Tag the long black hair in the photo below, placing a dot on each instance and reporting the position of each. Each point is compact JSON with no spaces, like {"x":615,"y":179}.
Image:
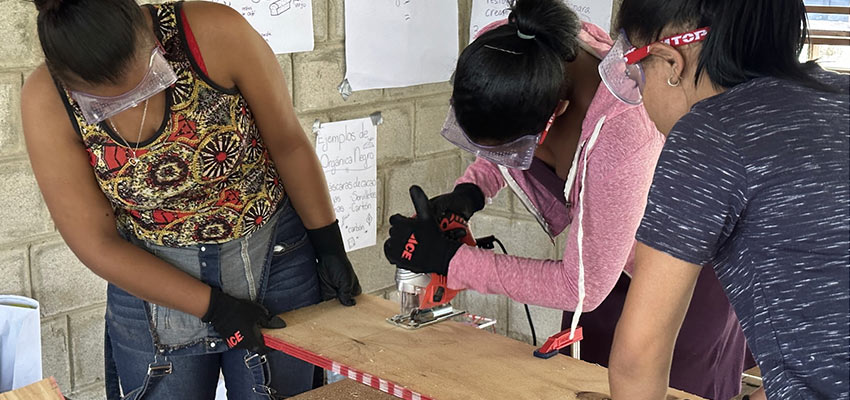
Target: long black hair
{"x":748,"y":38}
{"x":89,"y":40}
{"x":510,"y":80}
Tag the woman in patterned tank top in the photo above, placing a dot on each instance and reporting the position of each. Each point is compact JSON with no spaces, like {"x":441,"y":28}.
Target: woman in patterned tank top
{"x":172,"y":123}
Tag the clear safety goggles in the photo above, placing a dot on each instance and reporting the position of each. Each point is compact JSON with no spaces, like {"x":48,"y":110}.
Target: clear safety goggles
{"x":621,"y":70}
{"x":159,"y":76}
{"x":517,"y":154}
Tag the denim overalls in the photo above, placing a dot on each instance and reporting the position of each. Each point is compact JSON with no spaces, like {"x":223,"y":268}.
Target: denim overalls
{"x":161,"y":353}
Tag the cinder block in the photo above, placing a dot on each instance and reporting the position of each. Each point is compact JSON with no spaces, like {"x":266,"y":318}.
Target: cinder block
{"x":96,"y":391}
{"x":317,"y":75}
{"x":522,"y":238}
{"x":10,"y":114}
{"x":547,"y":322}
{"x":285,"y":61}
{"x":20,"y":46}
{"x":372,"y":267}
{"x":435,"y":176}
{"x":55,"y":351}
{"x":87,"y":346}
{"x":429,"y":89}
{"x":381,"y":213}
{"x":24,"y":213}
{"x":336,"y":19}
{"x":395,"y":134}
{"x":485,"y":305}
{"x":61,"y":282}
{"x":430,"y":117}
{"x":465,"y":14}
{"x":320,"y":20}
{"x":15,"y":280}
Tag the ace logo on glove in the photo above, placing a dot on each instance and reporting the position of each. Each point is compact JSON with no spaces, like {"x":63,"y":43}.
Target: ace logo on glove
{"x":235,"y":339}
{"x":410,"y":247}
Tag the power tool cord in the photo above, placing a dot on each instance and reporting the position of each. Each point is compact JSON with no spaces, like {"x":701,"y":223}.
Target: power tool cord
{"x":488,"y":243}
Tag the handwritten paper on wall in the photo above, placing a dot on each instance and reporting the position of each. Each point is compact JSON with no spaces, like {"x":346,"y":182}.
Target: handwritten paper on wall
{"x":398,"y":43}
{"x":287,"y":25}
{"x":598,"y":12}
{"x":347,"y":151}
{"x":485,"y":12}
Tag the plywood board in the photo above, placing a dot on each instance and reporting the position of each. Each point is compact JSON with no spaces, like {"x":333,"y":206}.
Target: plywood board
{"x":42,"y":390}
{"x":344,"y":389}
{"x":445,"y":361}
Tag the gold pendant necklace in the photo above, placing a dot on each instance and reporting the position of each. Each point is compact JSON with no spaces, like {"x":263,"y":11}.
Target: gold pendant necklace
{"x":135,"y":158}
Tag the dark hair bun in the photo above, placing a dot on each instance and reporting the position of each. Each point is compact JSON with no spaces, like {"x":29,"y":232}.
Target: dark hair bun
{"x":549,"y":21}
{"x":44,"y":6}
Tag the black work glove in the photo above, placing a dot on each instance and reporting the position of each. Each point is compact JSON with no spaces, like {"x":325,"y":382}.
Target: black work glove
{"x":466,"y":199}
{"x":239,"y":321}
{"x":336,"y":275}
{"x":417,"y":244}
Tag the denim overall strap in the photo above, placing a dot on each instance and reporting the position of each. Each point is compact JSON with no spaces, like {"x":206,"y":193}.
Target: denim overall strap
{"x":157,"y":370}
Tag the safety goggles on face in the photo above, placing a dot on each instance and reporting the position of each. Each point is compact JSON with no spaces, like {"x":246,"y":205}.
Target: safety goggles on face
{"x":516,"y":154}
{"x":159,"y":76}
{"x":621,"y":70}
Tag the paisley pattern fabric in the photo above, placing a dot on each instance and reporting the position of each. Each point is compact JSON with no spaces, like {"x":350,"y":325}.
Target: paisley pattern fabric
{"x":205,"y":177}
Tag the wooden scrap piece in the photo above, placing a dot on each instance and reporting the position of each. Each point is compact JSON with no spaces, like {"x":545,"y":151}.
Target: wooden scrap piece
{"x":45,"y":389}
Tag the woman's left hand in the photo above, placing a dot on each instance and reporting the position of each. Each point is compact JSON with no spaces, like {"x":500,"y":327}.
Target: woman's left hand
{"x":337,"y":278}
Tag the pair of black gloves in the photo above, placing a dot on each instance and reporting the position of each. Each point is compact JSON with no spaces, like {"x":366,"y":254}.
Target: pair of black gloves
{"x":239,"y":321}
{"x":417,"y":243}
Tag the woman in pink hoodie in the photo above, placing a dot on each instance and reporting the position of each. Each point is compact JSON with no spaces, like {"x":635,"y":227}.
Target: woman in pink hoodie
{"x":529,"y":102}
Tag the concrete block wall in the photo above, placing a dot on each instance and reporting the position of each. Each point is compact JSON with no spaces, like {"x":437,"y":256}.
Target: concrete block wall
{"x":35,"y":261}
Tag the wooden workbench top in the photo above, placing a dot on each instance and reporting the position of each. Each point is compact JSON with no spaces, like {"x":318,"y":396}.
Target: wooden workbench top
{"x":445,"y":361}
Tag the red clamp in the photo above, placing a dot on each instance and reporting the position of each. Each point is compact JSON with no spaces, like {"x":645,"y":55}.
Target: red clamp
{"x":557,"y":342}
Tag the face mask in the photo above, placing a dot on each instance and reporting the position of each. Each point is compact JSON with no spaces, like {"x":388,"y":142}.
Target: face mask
{"x":517,"y":154}
{"x":159,"y":76}
{"x":621,"y":70}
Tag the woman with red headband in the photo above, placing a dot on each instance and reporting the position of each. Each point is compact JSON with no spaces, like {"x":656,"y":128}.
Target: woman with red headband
{"x":753,"y":181}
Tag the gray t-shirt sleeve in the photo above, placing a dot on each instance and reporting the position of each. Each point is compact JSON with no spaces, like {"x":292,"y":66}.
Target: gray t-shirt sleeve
{"x":698,"y":192}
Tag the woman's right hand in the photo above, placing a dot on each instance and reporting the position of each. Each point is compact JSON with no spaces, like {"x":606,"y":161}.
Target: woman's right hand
{"x":466,"y":199}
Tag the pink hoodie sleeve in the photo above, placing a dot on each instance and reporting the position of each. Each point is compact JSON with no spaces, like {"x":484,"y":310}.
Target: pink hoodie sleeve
{"x":486,"y":175}
{"x":619,"y":173}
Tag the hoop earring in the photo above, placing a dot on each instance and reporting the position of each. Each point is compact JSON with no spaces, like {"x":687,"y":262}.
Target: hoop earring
{"x":671,"y":84}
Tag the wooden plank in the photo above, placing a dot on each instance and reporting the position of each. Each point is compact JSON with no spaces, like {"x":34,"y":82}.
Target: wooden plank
{"x":445,"y":361}
{"x":344,"y":389}
{"x":46,"y":389}
{"x":828,"y":9}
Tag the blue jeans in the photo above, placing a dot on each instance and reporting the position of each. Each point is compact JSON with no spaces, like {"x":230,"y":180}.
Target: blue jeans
{"x":160,"y":353}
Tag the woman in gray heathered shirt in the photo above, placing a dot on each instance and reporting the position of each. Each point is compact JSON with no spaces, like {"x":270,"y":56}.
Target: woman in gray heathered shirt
{"x":752,"y":181}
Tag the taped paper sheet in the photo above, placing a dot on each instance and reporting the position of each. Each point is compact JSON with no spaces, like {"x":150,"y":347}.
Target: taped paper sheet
{"x":485,"y":12}
{"x":597,"y":12}
{"x":399,"y":43}
{"x":347,"y":151}
{"x":287,"y":25}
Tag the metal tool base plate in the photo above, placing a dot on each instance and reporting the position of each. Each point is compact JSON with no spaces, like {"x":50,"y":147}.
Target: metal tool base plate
{"x":406,"y":322}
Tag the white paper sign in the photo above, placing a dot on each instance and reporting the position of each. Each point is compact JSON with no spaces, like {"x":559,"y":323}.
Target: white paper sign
{"x":398,"y":43}
{"x":597,"y":12}
{"x":347,"y":151}
{"x":485,"y":12}
{"x":287,"y":25}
